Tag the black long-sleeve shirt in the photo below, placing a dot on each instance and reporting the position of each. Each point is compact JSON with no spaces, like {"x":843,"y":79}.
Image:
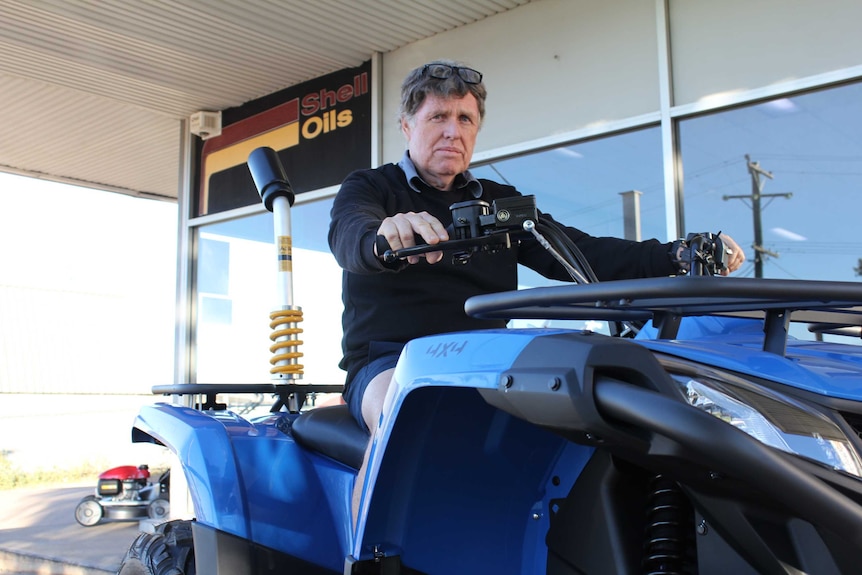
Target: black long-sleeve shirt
{"x":397,"y":303}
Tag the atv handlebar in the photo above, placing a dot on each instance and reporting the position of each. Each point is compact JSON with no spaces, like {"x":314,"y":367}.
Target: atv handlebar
{"x":480,"y":226}
{"x":476,"y":226}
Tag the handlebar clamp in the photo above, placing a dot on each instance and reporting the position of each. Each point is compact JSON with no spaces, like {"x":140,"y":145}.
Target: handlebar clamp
{"x":699,"y":254}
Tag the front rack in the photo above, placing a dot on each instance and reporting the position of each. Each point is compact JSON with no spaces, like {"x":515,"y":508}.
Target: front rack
{"x":667,"y":300}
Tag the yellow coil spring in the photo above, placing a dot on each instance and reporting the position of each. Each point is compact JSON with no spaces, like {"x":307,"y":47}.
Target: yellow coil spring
{"x":279,"y":319}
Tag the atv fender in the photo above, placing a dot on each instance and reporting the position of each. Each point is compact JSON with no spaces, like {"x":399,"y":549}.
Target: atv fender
{"x":254,"y":481}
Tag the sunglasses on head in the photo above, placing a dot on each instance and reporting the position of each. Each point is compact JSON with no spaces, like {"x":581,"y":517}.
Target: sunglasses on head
{"x":444,"y":71}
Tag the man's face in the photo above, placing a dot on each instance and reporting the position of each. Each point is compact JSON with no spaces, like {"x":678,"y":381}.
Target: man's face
{"x":441,"y":136}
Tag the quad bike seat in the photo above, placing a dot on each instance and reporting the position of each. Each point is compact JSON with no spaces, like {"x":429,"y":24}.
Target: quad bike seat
{"x":333,"y":432}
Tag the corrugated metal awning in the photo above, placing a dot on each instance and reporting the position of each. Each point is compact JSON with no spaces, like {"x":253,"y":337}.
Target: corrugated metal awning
{"x":94,"y":92}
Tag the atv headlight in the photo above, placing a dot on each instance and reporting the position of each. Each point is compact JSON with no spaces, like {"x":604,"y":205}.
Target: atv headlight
{"x":773,"y":419}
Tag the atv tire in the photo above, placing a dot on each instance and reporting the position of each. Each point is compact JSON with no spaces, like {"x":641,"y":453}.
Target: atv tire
{"x":168,"y":551}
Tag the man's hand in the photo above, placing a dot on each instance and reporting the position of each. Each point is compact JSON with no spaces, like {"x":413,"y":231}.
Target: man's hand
{"x":735,"y":255}
{"x":401,"y":230}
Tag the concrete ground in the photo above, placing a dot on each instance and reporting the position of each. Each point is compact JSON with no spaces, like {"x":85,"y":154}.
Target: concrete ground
{"x":39,"y":534}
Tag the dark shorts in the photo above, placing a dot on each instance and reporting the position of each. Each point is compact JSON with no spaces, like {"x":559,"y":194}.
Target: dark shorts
{"x":356,"y":389}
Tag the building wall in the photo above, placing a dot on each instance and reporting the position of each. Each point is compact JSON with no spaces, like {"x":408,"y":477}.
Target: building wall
{"x":557,"y":67}
{"x":550,"y":67}
{"x":735,"y":45}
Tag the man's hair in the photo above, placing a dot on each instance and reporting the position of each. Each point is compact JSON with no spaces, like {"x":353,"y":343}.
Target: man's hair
{"x":418,"y":85}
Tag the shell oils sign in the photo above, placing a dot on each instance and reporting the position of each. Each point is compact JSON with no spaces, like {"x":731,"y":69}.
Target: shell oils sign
{"x":321,"y":130}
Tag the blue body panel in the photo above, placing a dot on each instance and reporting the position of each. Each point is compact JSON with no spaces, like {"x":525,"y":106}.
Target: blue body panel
{"x":442,"y":456}
{"x":253,"y":481}
{"x":829,"y":369}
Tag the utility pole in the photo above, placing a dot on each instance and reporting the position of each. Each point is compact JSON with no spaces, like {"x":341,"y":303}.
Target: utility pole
{"x":632,"y":215}
{"x":756,"y":196}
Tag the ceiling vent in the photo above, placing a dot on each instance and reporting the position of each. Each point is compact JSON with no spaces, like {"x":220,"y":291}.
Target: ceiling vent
{"x":205,"y":124}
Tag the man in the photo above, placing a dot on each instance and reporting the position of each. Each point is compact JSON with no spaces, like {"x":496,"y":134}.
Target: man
{"x":387,"y":305}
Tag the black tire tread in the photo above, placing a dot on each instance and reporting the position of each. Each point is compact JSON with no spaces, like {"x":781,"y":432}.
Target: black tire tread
{"x":167,"y":551}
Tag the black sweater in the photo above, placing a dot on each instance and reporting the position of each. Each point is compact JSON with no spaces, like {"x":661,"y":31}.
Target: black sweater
{"x":398,"y":303}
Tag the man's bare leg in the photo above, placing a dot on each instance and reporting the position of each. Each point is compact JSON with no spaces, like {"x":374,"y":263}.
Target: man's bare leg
{"x":372,"y":407}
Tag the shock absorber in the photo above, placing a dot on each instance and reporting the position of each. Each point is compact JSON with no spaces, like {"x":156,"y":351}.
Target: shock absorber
{"x":283,"y":324}
{"x":277,"y":196}
{"x":669,"y":544}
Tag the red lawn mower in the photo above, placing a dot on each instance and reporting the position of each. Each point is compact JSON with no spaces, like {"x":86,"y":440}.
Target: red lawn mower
{"x":126,"y":493}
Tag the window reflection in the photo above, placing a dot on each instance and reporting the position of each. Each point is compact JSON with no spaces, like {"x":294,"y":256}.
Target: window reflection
{"x":809,"y":208}
{"x":236,"y":279}
{"x":582,"y":185}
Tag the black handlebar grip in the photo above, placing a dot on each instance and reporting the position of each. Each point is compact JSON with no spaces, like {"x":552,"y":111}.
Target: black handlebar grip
{"x":269,"y":176}
{"x":383,"y":249}
{"x":388,"y":255}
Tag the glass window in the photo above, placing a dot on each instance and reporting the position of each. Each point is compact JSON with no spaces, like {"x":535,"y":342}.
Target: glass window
{"x":584,"y":185}
{"x":805,"y":158}
{"x":236,"y":278}
{"x":581,"y":185}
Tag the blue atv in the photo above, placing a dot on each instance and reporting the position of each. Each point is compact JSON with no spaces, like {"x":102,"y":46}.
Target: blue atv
{"x":696,"y":437}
